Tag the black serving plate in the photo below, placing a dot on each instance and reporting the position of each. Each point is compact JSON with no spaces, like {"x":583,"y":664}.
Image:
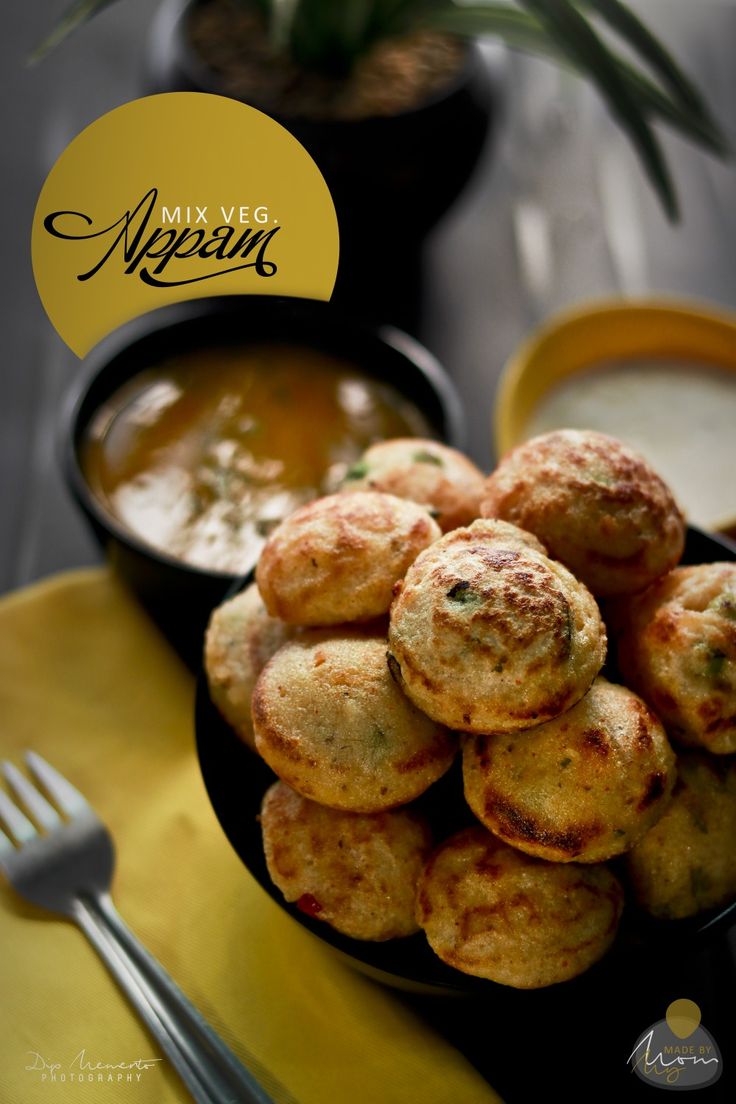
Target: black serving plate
{"x":236,"y":780}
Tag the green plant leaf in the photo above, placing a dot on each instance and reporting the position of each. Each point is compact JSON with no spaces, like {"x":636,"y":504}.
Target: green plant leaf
{"x":397,"y":17}
{"x":279,"y":16}
{"x":80,"y":12}
{"x":630,"y":28}
{"x":329,"y":35}
{"x":704,"y":132}
{"x":575,"y":37}
{"x":517,"y":29}
{"x":522,"y":31}
{"x":265,"y":7}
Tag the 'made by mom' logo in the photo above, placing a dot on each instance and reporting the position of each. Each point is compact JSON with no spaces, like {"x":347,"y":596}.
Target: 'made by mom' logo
{"x":149,"y":241}
{"x":677,"y":1052}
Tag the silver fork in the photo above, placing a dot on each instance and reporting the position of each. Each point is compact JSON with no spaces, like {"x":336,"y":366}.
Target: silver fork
{"x":67,"y":867}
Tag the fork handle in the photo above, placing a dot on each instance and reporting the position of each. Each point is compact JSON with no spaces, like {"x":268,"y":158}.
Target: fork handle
{"x":208,"y":1068}
{"x":133,"y":985}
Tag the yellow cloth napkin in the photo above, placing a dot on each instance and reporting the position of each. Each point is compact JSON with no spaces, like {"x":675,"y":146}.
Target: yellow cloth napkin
{"x":86,"y":681}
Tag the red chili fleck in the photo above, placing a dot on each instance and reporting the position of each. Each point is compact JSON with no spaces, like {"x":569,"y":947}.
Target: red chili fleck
{"x":309,"y":904}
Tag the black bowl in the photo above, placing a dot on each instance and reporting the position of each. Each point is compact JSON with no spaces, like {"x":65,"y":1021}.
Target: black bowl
{"x":177,"y":595}
{"x":236,"y":779}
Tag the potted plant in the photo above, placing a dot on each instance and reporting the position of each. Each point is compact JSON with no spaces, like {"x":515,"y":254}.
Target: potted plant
{"x":391,"y":97}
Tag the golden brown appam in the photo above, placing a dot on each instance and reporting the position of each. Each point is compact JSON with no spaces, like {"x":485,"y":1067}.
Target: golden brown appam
{"x":241,"y":637}
{"x":424,"y":471}
{"x":336,"y":559}
{"x":488,"y":634}
{"x":584,"y":786}
{"x":597,"y":505}
{"x":330,"y":720}
{"x":356,"y":871}
{"x":491,"y":911}
{"x":687,"y":862}
{"x":677,"y":649}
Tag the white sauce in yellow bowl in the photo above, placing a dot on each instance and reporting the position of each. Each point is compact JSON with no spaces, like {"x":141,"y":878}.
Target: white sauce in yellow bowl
{"x":680,"y":414}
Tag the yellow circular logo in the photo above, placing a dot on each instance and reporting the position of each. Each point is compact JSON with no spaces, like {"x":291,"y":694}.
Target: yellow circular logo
{"x":175,"y":197}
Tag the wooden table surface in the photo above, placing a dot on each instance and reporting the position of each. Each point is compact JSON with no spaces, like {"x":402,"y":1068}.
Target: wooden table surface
{"x":557,"y":212}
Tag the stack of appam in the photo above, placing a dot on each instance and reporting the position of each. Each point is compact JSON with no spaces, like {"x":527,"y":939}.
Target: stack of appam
{"x":426,"y":612}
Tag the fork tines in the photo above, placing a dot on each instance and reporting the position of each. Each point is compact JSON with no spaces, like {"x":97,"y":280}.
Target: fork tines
{"x":68,"y":799}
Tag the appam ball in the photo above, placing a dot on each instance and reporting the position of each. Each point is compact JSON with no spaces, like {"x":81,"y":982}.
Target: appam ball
{"x":330,"y":720}
{"x":677,"y":649}
{"x":356,"y":871}
{"x":491,"y":911}
{"x":584,"y":786}
{"x":336,"y":559}
{"x":597,"y":505}
{"x":424,"y":471}
{"x":687,"y":862}
{"x":489,"y":635}
{"x":241,"y":637}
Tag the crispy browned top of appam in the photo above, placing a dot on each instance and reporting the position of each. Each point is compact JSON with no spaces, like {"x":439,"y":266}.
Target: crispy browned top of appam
{"x":677,"y":648}
{"x":331,"y":721}
{"x":490,"y":635}
{"x":584,"y":786}
{"x":356,"y":871}
{"x":687,"y":862}
{"x":597,"y":505}
{"x":336,"y":559}
{"x":489,"y":910}
{"x":241,"y":637}
{"x":424,"y":471}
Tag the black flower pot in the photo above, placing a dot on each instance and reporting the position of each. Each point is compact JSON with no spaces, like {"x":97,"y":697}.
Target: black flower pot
{"x":391,"y":177}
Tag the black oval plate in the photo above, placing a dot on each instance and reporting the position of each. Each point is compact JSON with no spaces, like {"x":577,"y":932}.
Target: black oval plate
{"x":236,"y":780}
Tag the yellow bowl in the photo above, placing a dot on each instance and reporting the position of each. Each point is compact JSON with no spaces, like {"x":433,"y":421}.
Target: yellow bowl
{"x":611,"y":329}
{"x":606,"y":330}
